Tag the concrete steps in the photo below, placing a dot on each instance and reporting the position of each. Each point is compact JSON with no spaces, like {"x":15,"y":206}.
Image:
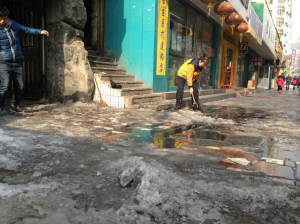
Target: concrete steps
{"x":132,"y":93}
{"x":169,"y":100}
{"x":136,"y":95}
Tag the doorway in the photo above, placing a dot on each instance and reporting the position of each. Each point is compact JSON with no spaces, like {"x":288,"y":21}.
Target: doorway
{"x":94,"y":27}
{"x":88,"y":26}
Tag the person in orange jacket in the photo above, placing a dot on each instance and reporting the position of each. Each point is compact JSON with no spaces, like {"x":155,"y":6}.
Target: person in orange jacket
{"x":188,"y":72}
{"x":280,"y":83}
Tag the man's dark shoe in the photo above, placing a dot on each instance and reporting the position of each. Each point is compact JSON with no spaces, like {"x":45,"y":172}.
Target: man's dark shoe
{"x":198,"y":109}
{"x":177,"y":106}
{"x":15,"y":109}
{"x":1,"y":112}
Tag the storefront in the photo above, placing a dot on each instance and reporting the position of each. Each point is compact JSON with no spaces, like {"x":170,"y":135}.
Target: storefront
{"x":151,"y":39}
{"x":228,"y":63}
{"x":191,"y":34}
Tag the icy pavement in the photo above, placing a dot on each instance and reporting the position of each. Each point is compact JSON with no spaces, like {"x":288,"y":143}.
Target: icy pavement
{"x":81,"y":163}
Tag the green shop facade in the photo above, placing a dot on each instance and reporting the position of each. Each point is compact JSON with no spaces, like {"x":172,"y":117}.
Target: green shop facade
{"x":152,"y":38}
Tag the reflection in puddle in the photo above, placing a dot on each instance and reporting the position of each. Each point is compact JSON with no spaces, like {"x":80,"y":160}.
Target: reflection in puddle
{"x":237,"y":114}
{"x":173,"y":137}
{"x":281,"y":148}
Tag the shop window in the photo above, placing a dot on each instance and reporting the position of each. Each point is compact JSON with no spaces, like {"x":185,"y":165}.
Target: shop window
{"x":190,"y":36}
{"x":207,"y":48}
{"x":178,"y":31}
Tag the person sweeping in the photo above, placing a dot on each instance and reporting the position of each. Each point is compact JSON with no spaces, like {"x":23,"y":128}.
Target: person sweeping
{"x":188,"y":72}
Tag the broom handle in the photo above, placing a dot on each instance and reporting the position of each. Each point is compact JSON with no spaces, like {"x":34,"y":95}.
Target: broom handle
{"x":193,"y":97}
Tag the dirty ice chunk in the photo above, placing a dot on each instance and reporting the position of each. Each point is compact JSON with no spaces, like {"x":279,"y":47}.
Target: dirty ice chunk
{"x":127,"y":175}
{"x":57,"y":217}
{"x":241,"y":161}
{"x":275,"y":161}
{"x":195,"y":213}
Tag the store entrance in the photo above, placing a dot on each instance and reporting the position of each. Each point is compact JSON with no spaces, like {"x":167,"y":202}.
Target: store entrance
{"x":190,"y":36}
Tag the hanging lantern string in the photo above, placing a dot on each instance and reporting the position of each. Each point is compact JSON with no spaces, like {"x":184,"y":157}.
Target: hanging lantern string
{"x":209,"y":6}
{"x":241,"y":37}
{"x":232,"y":27}
{"x":222,"y":19}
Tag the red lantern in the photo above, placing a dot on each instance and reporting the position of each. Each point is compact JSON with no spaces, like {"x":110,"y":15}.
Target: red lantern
{"x":223,"y":9}
{"x":233,"y":19}
{"x":209,"y":6}
{"x":241,"y":28}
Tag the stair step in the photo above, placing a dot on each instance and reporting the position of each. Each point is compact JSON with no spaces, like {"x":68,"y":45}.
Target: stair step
{"x":103,"y":64}
{"x":136,"y":91}
{"x":169,"y":104}
{"x":131,"y":84}
{"x":117,"y":78}
{"x":109,"y":70}
{"x":98,"y":58}
{"x":132,"y":101}
{"x":172,"y":94}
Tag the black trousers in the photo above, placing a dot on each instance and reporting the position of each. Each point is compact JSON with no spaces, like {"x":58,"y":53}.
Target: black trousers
{"x":179,"y":94}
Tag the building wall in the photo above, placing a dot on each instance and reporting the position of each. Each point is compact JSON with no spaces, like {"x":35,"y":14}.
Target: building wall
{"x":130,"y":36}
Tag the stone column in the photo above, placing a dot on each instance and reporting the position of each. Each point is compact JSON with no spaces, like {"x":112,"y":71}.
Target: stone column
{"x":69,"y":75}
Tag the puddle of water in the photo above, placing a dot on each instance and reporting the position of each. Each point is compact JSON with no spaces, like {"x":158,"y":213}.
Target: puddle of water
{"x":282,"y":148}
{"x":237,"y":114}
{"x":172,"y":137}
{"x":203,"y":134}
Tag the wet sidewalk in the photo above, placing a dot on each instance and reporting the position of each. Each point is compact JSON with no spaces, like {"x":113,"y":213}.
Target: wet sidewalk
{"x":81,"y":163}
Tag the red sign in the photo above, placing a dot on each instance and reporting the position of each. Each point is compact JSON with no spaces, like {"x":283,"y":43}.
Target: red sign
{"x":206,"y":36}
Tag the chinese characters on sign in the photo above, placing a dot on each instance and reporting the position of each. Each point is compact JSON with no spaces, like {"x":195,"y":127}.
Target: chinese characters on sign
{"x":293,"y":58}
{"x":162,"y":28}
{"x":255,"y":61}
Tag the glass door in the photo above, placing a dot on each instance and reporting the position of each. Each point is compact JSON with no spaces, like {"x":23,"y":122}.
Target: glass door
{"x":190,"y":37}
{"x":178,"y":22}
{"x":206,"y":46}
{"x":191,"y":49}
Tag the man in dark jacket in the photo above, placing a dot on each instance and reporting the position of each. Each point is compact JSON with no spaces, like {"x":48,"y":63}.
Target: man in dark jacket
{"x":11,"y":58}
{"x":288,"y":81}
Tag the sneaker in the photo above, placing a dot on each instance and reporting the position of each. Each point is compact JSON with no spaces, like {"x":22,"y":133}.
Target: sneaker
{"x":15,"y":109}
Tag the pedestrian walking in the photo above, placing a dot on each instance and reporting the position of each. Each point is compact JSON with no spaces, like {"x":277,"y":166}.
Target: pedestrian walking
{"x":283,"y":76}
{"x":11,"y":65}
{"x":288,"y":81}
{"x":280,"y":83}
{"x":188,"y":72}
{"x":294,"y":82}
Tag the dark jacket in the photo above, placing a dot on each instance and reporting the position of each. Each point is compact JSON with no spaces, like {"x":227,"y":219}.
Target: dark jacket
{"x":10,"y":49}
{"x":288,"y":79}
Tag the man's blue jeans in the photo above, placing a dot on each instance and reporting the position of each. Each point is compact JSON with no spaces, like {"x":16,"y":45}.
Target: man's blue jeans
{"x":14,"y":70}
